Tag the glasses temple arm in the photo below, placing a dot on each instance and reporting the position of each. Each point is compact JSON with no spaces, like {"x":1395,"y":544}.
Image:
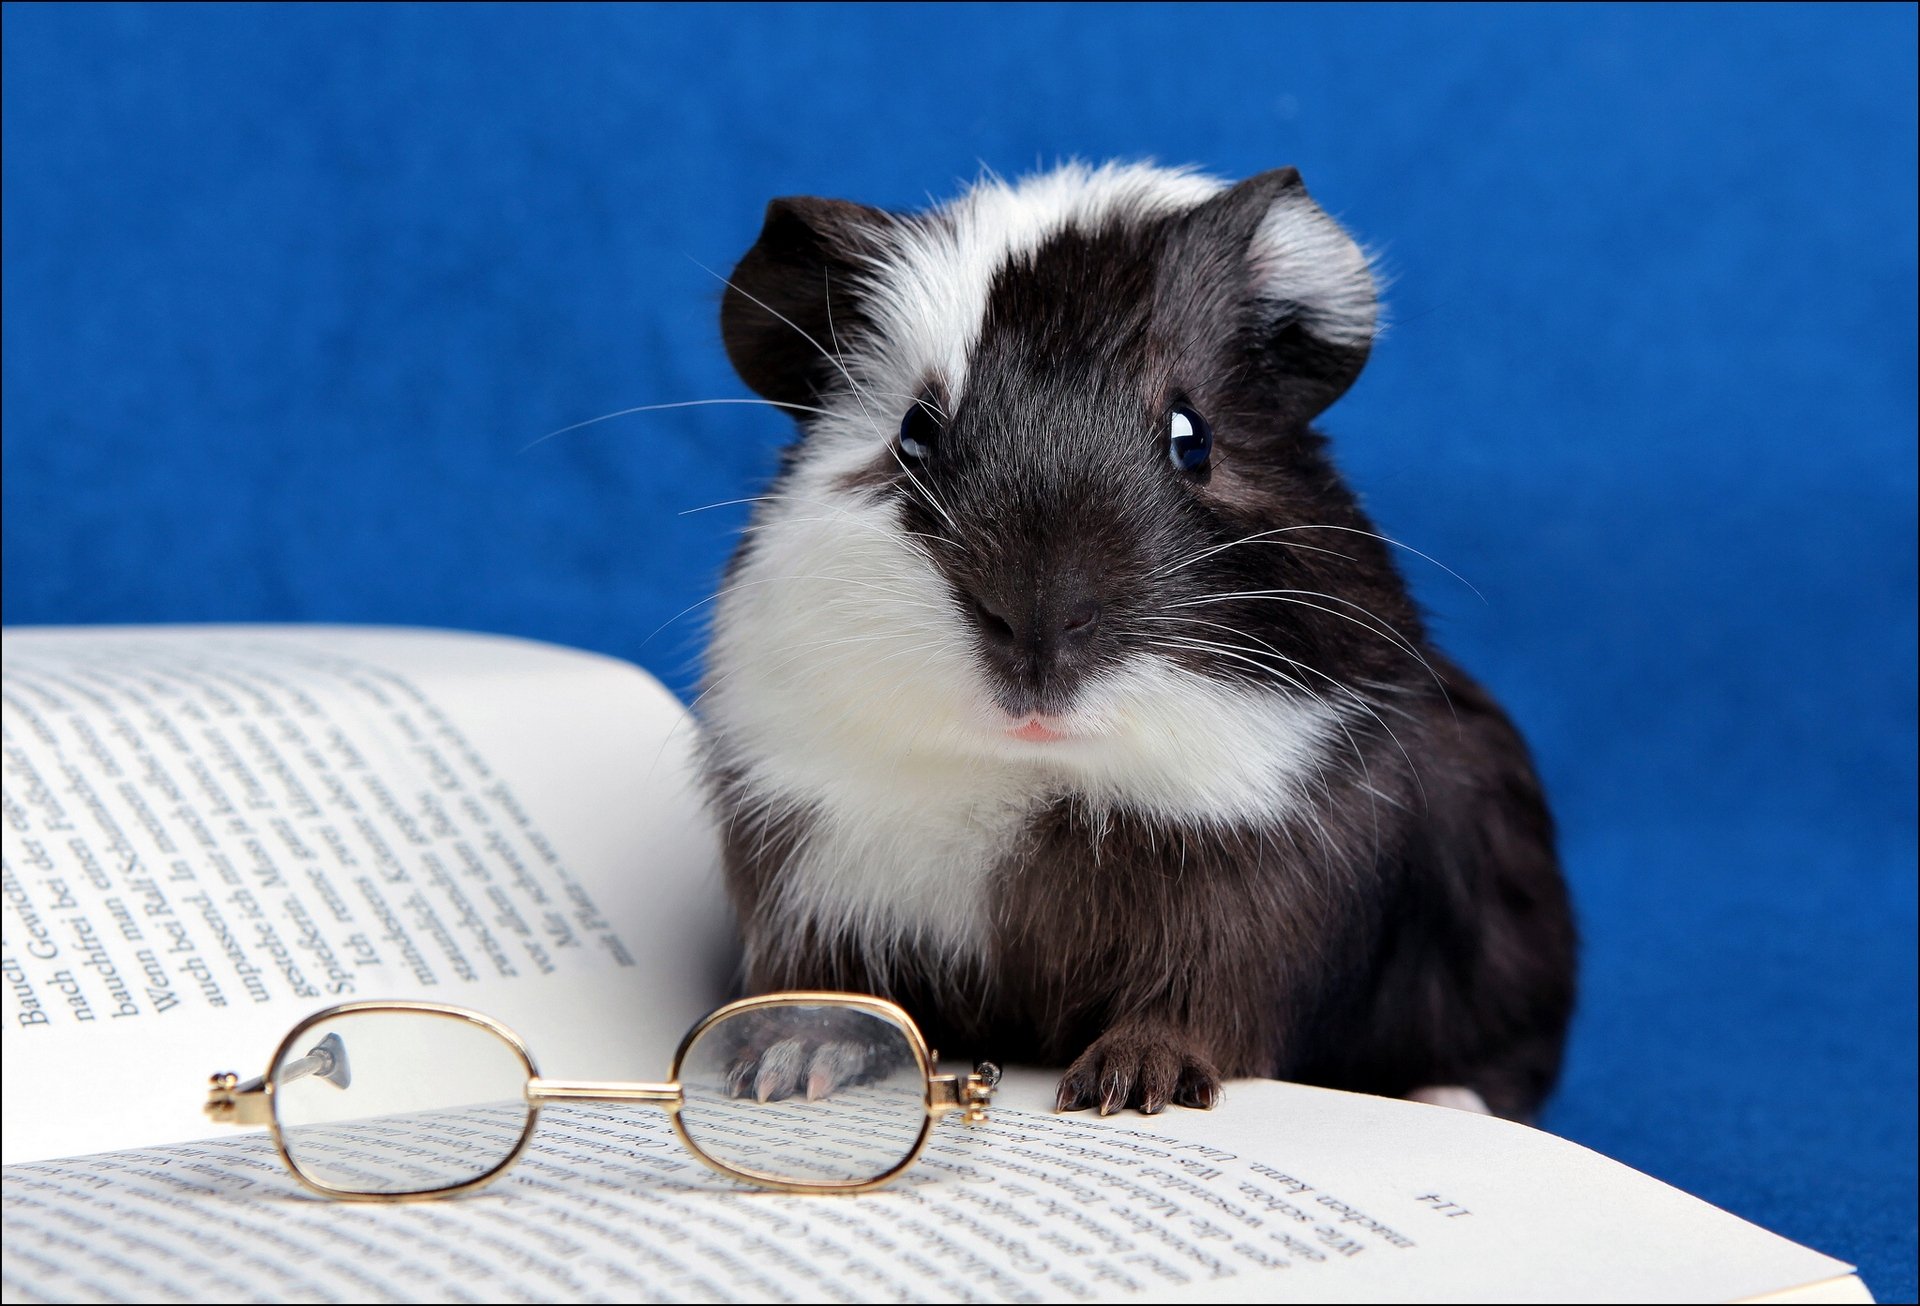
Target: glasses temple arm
{"x":233,"y":1103}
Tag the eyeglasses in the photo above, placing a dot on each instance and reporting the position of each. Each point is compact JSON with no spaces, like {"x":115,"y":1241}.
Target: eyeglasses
{"x":802,"y":1092}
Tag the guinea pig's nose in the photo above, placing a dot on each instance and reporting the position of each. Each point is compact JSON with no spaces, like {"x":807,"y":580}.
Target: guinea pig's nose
{"x":1036,"y":634}
{"x":1048,"y":624}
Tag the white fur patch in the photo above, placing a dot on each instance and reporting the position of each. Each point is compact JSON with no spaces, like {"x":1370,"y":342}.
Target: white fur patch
{"x":1303,"y":257}
{"x":843,"y":679}
{"x":929,"y":295}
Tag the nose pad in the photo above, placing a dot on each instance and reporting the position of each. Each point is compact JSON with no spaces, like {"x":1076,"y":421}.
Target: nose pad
{"x":1036,"y":640}
{"x":1042,"y":626}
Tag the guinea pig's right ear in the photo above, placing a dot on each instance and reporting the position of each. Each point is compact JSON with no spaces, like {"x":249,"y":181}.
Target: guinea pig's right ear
{"x":797,"y":290}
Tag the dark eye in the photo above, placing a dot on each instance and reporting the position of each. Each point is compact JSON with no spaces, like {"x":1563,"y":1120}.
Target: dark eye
{"x":919,"y":431}
{"x":1189,"y":439}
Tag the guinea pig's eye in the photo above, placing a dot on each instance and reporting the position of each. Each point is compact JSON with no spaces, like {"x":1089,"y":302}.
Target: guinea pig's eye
{"x":1189,"y":439}
{"x":919,"y":431}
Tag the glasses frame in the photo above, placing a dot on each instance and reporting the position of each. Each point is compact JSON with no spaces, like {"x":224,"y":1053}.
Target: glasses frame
{"x":252,"y":1103}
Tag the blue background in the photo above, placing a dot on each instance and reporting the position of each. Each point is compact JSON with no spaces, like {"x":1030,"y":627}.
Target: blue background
{"x":287,"y":292}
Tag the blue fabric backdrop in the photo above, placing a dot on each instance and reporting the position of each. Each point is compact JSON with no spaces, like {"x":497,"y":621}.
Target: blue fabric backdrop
{"x":288,"y":290}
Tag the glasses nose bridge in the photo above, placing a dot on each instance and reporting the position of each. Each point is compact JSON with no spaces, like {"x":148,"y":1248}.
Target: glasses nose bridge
{"x":544,"y":1092}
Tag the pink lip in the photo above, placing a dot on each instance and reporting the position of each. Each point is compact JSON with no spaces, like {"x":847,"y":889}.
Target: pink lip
{"x":1036,"y":732}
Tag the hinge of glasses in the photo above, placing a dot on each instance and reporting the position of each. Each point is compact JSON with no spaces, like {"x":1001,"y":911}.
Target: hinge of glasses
{"x":231,"y":1102}
{"x":970,"y":1095}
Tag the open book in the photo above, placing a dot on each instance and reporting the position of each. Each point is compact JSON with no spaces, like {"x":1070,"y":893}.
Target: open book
{"x":210,"y":833}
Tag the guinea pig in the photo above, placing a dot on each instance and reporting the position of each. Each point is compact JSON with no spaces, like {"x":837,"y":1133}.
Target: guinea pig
{"x":1061,"y":690}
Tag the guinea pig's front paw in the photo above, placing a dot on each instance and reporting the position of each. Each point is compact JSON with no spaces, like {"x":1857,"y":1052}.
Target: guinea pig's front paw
{"x":810,"y":1068}
{"x":1139,"y":1066}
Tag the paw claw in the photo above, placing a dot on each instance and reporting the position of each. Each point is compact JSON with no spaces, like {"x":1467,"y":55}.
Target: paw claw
{"x":779,"y":1069}
{"x":1199,"y":1088}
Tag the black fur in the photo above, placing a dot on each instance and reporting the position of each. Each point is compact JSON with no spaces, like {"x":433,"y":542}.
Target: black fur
{"x":1412,"y":928}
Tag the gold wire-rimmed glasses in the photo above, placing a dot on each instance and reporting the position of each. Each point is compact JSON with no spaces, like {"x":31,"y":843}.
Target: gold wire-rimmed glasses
{"x":800,"y":1092}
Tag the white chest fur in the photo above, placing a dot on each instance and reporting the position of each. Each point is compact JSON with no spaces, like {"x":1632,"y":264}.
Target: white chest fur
{"x":885,"y":876}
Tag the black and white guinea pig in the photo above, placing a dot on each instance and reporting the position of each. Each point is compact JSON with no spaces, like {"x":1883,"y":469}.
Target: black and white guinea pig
{"x":1060,"y":689}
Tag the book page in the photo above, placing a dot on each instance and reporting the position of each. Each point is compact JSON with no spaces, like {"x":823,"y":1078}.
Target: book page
{"x":1280,"y":1193}
{"x":211,"y":832}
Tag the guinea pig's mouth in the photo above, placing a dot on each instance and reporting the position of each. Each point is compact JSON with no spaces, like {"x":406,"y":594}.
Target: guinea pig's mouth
{"x":1038,"y":729}
{"x":1050,"y":726}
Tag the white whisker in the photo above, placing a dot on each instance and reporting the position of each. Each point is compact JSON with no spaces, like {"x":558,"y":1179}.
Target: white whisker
{"x":839,"y":514}
{"x":1266,"y":537}
{"x":1385,"y":629}
{"x":1259,"y":537}
{"x":685,"y":403}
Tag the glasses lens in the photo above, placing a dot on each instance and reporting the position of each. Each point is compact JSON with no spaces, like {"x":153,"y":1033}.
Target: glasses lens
{"x":395,"y":1102}
{"x":806,"y":1093}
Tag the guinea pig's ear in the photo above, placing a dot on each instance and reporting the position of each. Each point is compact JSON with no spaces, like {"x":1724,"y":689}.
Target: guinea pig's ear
{"x":803,"y":269}
{"x":1309,"y":306}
